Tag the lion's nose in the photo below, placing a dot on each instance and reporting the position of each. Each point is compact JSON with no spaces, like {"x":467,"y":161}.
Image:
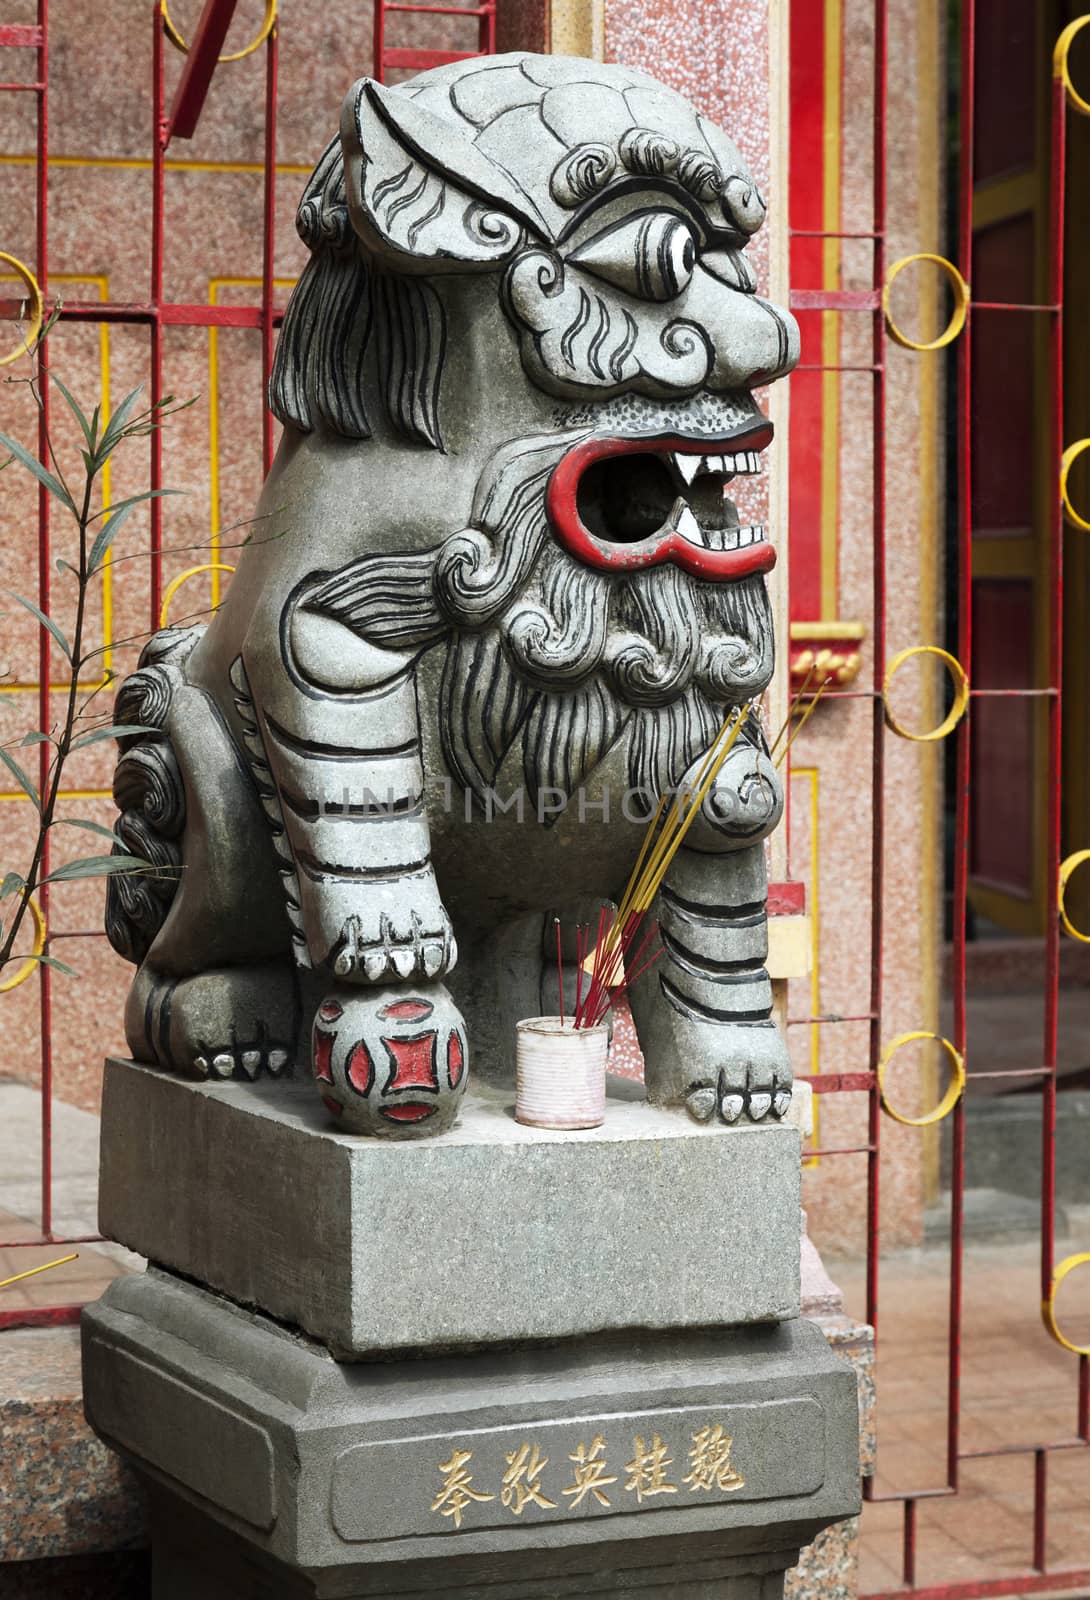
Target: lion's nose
{"x":753,"y":341}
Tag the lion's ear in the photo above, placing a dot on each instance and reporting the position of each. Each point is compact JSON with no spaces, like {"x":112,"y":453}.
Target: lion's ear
{"x":422,"y":197}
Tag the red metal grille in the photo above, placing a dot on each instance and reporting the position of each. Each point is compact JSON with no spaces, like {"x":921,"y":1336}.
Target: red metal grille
{"x":1036,"y":1576}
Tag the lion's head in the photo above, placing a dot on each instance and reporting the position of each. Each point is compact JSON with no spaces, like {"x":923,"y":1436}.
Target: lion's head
{"x":540,"y":262}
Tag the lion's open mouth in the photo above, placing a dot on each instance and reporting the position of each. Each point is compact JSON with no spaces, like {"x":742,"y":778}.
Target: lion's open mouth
{"x":624,"y":503}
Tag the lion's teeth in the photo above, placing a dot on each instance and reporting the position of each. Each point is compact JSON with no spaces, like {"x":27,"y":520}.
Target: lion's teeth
{"x":689,"y":528}
{"x":687,"y":465}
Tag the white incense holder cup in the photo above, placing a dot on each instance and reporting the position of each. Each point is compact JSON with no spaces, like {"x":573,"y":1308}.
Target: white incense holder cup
{"x":561,"y":1074}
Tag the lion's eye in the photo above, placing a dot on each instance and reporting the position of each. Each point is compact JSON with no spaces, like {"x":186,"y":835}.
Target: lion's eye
{"x":651,"y":255}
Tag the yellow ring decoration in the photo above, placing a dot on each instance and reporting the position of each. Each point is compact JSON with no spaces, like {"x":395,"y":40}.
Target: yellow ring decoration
{"x":1060,"y":70}
{"x":961,"y":693}
{"x":949,"y":1099}
{"x":183,"y":577}
{"x":1070,"y":456}
{"x":267,"y":23}
{"x":957,"y":318}
{"x":31,"y":961}
{"x":1048,"y":1307}
{"x":36,"y":308}
{"x":1066,"y":869}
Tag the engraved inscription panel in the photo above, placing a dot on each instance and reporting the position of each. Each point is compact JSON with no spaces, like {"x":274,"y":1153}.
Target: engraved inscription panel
{"x":637,"y":1461}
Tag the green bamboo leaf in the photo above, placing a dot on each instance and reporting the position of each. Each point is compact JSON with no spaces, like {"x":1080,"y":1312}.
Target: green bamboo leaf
{"x":112,"y":526}
{"x":111,"y":435}
{"x":43,"y":475}
{"x":37,"y":737}
{"x":46,"y":622}
{"x":61,"y":966}
{"x":97,"y":867}
{"x":85,"y":426}
{"x":21,"y":779}
{"x":12,"y":883}
{"x":118,"y":730}
{"x":65,"y":566}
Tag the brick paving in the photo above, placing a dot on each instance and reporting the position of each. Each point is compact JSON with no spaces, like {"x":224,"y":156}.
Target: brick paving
{"x":1018,"y":1388}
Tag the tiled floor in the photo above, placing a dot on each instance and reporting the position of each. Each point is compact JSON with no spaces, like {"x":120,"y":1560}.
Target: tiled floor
{"x":75,"y":1283}
{"x":1018,"y":1388}
{"x":75,"y":1204}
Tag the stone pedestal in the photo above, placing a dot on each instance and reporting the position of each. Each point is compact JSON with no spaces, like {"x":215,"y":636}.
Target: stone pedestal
{"x":491,"y":1232}
{"x":649,"y":1464}
{"x":499,"y":1362}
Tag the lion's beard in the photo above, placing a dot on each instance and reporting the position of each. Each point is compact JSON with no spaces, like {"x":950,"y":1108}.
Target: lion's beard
{"x":571,"y":659}
{"x":543,"y":649}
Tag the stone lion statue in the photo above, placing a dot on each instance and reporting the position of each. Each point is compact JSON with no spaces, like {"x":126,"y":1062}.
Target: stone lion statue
{"x":498,"y":601}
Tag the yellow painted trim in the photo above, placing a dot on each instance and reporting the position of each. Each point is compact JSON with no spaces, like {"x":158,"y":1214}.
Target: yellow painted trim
{"x":813,"y":778}
{"x":144,"y":164}
{"x":829,"y":629}
{"x":577,"y":28}
{"x":830,"y":320}
{"x":790,"y":943}
{"x":64,"y":794}
{"x":1002,"y":198}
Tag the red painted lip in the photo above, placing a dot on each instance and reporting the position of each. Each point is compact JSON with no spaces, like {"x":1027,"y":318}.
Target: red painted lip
{"x":666,"y":544}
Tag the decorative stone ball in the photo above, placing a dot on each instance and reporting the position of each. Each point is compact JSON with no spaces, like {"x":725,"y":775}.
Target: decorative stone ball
{"x":390,"y":1062}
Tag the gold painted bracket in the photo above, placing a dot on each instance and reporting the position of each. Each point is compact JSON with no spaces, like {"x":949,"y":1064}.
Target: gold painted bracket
{"x":1048,"y":1307}
{"x":1061,"y":69}
{"x":827,"y":650}
{"x":956,"y":711}
{"x":957,"y":317}
{"x":267,"y":23}
{"x":954,"y":1090}
{"x":34,"y":300}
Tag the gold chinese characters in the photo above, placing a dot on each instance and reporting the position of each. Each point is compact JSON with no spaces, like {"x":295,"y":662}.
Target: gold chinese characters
{"x":650,"y":1472}
{"x":456,"y":1492}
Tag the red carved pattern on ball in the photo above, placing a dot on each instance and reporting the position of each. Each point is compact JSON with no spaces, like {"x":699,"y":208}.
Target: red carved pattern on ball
{"x":410,"y":1111}
{"x":456,"y":1059}
{"x":407,"y":1010}
{"x":412,"y":1063}
{"x":323,"y":1052}
{"x":360,"y":1069}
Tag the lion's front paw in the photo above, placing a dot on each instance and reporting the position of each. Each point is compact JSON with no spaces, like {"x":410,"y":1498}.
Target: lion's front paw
{"x":418,"y":945}
{"x":754,"y":1081}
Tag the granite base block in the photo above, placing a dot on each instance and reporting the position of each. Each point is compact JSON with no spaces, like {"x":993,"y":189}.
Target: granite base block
{"x":62,"y":1493}
{"x":491,"y":1233}
{"x":721,"y":1453}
